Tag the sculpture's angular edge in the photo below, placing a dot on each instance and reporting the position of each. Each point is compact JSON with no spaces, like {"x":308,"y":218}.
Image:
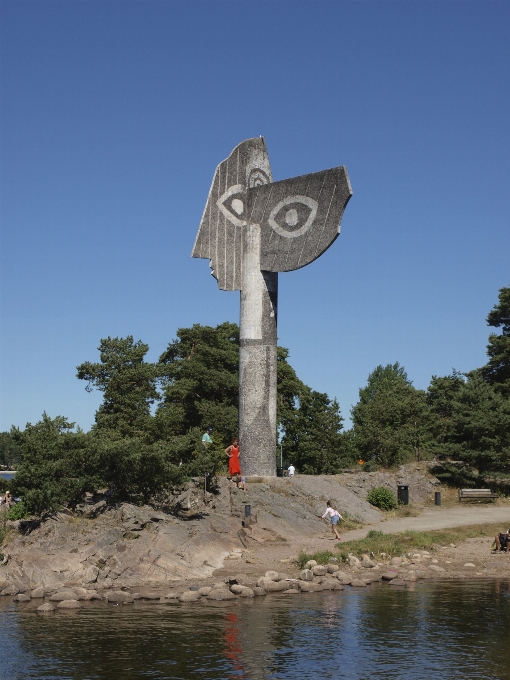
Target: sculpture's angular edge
{"x":220,"y":235}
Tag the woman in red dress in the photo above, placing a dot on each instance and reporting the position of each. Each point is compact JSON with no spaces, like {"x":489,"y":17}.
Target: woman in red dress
{"x":233,"y":454}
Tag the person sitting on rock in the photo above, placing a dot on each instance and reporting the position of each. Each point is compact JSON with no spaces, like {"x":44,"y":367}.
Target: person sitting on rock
{"x":335,"y":517}
{"x":503,"y":541}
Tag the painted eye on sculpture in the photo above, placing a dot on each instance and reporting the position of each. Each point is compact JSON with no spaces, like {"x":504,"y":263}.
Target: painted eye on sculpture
{"x":233,"y":205}
{"x":293,"y":216}
{"x":257,"y":178}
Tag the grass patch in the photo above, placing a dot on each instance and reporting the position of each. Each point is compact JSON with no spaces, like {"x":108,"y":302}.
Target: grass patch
{"x":384,"y":546}
{"x":320,"y":557}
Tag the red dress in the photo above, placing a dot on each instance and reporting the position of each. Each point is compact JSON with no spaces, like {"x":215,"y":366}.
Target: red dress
{"x":233,"y":461}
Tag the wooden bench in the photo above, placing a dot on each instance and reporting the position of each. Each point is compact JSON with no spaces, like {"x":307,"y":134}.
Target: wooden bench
{"x":477,"y":495}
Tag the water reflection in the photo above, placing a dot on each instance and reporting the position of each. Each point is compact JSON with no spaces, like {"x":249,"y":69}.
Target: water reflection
{"x":434,"y":630}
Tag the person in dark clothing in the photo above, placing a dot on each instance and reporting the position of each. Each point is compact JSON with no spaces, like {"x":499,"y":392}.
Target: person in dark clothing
{"x":503,"y":541}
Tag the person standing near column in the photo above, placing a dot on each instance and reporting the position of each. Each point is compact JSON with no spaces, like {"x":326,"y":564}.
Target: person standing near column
{"x":206,"y":438}
{"x":233,"y":454}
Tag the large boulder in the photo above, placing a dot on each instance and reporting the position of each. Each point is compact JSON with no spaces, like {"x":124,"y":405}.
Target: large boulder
{"x":306,"y":575}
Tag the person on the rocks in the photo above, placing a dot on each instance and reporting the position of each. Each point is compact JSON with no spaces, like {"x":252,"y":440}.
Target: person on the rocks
{"x":206,"y":438}
{"x":233,"y":454}
{"x":335,"y":518}
{"x":503,"y":541}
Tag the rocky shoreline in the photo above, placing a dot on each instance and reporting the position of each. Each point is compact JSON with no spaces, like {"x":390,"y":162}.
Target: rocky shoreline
{"x":199,"y":542}
{"x":399,"y":572}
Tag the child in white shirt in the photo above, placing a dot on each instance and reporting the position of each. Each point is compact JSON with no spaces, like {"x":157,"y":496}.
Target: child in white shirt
{"x":335,"y":517}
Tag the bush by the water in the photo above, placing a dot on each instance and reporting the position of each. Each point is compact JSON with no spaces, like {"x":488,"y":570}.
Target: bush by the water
{"x":382,"y":498}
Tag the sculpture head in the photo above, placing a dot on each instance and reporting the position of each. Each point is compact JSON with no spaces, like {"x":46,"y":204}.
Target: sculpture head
{"x":299,"y":218}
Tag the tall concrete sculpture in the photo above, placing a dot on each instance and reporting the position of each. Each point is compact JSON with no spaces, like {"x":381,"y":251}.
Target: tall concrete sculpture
{"x":252,"y":228}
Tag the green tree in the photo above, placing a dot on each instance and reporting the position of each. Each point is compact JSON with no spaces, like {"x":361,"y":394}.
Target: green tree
{"x":313,"y":440}
{"x":10,"y":455}
{"x":200,"y":381}
{"x":56,"y":468}
{"x":129,"y":385}
{"x":497,"y":369}
{"x":390,"y":419}
{"x":473,"y":439}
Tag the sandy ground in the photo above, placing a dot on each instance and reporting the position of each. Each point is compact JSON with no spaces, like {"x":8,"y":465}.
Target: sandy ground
{"x":451,"y":559}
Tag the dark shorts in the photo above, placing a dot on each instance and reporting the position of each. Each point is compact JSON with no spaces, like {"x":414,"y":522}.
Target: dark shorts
{"x":503,"y":539}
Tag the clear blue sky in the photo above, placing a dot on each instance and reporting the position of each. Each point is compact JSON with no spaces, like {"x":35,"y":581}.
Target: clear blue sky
{"x":115,"y":114}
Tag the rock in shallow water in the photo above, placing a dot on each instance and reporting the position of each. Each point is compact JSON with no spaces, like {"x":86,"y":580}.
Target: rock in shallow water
{"x":69,"y":604}
{"x":46,"y":607}
{"x":221,"y":594}
{"x":358,"y":583}
{"x":65,"y":594}
{"x":190,"y":596}
{"x":21,"y":598}
{"x":120,"y":597}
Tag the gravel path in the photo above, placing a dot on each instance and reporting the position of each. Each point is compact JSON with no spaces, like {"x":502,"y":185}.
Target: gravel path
{"x":438,"y":518}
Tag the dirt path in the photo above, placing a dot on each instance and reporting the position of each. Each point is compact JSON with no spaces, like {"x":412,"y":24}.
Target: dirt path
{"x":282,"y":556}
{"x":438,"y":518}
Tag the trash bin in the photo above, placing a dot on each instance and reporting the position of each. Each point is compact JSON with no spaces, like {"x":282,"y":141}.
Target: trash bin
{"x":403,"y":494}
{"x":437,"y":498}
{"x":279,"y":472}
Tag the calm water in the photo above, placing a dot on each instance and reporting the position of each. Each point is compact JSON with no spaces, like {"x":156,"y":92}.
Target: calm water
{"x":7,"y":475}
{"x":432,"y":631}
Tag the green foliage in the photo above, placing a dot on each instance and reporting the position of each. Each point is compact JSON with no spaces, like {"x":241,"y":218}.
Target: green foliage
{"x":394,"y":545}
{"x":56,"y":467}
{"x":497,"y":370}
{"x":18,"y":511}
{"x":10,"y":455}
{"x":321,"y":557}
{"x":200,"y":381}
{"x":382,"y":498}
{"x":129,"y":385}
{"x":390,"y":419}
{"x":471,"y":425}
{"x":134,"y":469}
{"x":313,"y":440}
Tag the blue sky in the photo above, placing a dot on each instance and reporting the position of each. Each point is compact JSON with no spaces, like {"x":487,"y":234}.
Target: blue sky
{"x":114,"y":116}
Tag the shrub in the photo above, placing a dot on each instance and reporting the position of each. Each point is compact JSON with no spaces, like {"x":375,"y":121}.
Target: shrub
{"x":17,"y":511}
{"x":382,"y":498}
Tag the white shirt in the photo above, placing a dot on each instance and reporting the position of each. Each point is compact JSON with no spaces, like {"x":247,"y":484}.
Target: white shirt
{"x":333,"y":513}
{"x":292,"y":470}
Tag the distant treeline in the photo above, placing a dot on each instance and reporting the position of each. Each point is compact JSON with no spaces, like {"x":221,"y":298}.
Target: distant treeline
{"x":462,"y":420}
